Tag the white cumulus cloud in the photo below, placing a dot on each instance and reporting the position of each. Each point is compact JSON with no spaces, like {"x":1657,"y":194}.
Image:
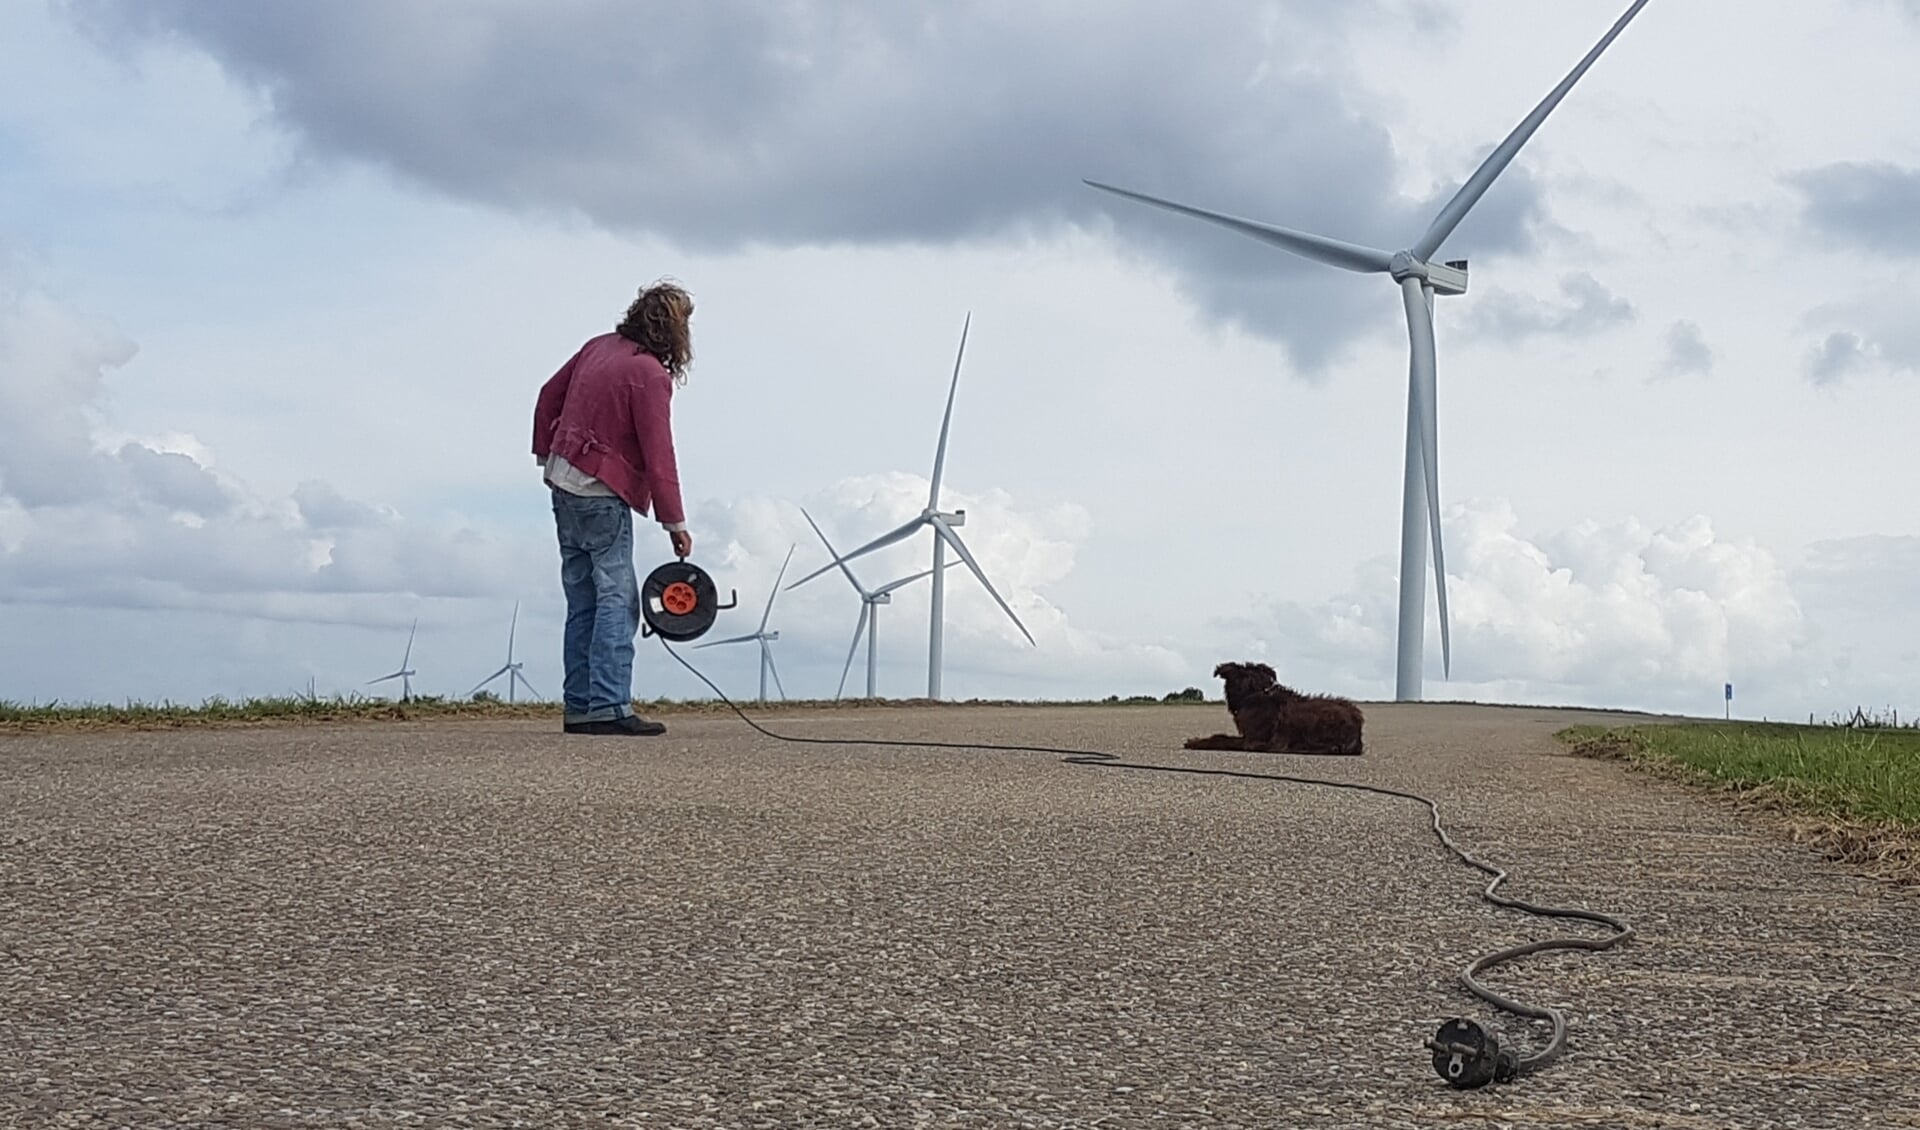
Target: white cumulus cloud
{"x":92,"y":515}
{"x":1619,"y":612}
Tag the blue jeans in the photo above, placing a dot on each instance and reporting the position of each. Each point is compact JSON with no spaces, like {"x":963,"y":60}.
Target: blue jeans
{"x":603,"y":605}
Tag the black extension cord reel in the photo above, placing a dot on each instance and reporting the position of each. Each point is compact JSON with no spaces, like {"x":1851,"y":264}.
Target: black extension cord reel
{"x":679,"y":601}
{"x":1468,"y":1056}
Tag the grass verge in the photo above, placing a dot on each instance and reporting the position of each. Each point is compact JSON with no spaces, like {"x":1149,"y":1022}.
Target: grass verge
{"x":1851,"y":793}
{"x":16,"y":718}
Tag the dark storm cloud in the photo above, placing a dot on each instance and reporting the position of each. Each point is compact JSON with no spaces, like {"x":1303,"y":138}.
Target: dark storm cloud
{"x":1869,"y":206}
{"x":1586,"y":306}
{"x":734,"y":124}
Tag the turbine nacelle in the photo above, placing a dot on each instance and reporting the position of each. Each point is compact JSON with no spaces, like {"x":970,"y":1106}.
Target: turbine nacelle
{"x":951,"y":518}
{"x":1447,"y":278}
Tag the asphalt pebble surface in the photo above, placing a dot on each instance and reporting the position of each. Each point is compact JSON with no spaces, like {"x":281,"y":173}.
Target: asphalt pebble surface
{"x":492,"y":924}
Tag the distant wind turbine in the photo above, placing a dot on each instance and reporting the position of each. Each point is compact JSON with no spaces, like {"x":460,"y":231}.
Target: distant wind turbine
{"x":405,"y":674}
{"x":942,"y":524}
{"x":1419,"y":278}
{"x":870,"y":602}
{"x":512,"y":669}
{"x":764,"y":637}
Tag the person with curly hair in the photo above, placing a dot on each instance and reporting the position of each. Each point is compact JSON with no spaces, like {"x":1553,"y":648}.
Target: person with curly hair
{"x":603,"y":437}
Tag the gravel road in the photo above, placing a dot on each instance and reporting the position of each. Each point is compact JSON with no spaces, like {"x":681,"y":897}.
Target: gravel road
{"x":491,"y":924}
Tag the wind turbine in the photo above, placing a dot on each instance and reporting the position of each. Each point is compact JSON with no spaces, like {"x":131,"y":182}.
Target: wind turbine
{"x":1419,"y":277}
{"x":942,"y":524}
{"x":763,"y":636}
{"x":870,"y":602}
{"x":405,"y":674}
{"x":512,"y":669}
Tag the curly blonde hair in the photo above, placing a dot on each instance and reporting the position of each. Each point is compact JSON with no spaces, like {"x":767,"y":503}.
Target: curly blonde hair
{"x":658,"y":322}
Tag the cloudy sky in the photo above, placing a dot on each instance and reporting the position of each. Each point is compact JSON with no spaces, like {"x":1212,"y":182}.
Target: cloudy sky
{"x":278,"y":284}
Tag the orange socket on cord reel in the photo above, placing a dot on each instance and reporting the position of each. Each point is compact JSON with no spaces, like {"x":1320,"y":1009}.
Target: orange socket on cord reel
{"x":679,"y":598}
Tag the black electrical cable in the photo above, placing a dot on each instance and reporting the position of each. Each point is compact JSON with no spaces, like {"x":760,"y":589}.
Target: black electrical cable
{"x":1468,"y":977}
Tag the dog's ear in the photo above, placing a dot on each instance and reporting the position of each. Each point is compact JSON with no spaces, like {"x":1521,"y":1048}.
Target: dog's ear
{"x":1265,"y":670}
{"x":1221,"y":671}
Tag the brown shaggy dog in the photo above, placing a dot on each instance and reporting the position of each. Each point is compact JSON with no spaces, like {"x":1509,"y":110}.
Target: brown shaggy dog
{"x":1274,"y":718}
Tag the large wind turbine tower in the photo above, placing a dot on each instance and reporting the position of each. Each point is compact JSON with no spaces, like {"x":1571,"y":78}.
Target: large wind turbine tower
{"x":1420,"y":276}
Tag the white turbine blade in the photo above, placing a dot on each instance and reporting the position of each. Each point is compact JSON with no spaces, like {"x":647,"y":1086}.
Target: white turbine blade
{"x":410,"y":632}
{"x":1426,"y":389}
{"x":940,"y":452}
{"x":1333,"y":252}
{"x":523,"y":682}
{"x":735,"y":639}
{"x":511,"y":628}
{"x":776,"y":588}
{"x":385,"y":678}
{"x":835,"y":554}
{"x":1482,"y":179}
{"x":905,"y":581}
{"x":858,"y":628}
{"x":953,"y":539}
{"x":488,"y":679}
{"x":884,"y":540}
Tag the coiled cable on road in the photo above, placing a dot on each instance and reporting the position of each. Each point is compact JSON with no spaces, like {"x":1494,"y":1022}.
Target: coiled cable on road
{"x":1464,"y":1054}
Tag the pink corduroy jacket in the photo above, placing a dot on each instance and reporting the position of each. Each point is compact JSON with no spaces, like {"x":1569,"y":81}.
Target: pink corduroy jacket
{"x":608,"y":411}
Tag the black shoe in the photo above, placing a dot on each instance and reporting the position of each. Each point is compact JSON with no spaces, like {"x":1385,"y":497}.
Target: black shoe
{"x":632,"y":724}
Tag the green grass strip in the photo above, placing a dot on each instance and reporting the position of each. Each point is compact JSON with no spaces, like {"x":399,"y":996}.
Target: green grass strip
{"x":1847,"y":773}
